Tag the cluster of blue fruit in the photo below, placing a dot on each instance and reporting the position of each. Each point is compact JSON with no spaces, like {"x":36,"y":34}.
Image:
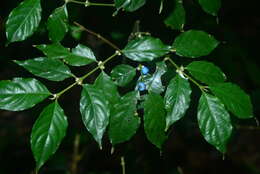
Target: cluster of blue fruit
{"x":141,"y":85}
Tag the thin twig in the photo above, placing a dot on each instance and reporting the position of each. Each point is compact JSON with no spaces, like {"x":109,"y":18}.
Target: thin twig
{"x":123,"y":164}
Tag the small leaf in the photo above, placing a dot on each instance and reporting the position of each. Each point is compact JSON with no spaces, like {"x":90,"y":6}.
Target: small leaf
{"x":206,"y":72}
{"x":154,"y":119}
{"x":123,"y":74}
{"x":129,"y":5}
{"x":153,"y":82}
{"x":123,"y":121}
{"x":51,"y":69}
{"x":21,"y":93}
{"x":47,"y":133}
{"x":176,"y":100}
{"x":58,"y":24}
{"x":234,"y":98}
{"x":194,"y":43}
{"x":214,"y":121}
{"x":145,"y":48}
{"x":176,"y":19}
{"x":211,"y":7}
{"x":23,"y":21}
{"x":94,"y":109}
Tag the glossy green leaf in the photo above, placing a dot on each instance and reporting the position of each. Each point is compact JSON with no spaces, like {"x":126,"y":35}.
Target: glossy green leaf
{"x":94,"y":109}
{"x":145,"y":48}
{"x":57,"y":24}
{"x":153,"y":82}
{"x":23,"y":20}
{"x":129,"y":5}
{"x":123,"y":121}
{"x":80,"y":55}
{"x":234,"y":98}
{"x":206,"y":72}
{"x":51,"y":69}
{"x":104,"y":83}
{"x":154,"y":119}
{"x":123,"y":74}
{"x":194,"y":43}
{"x":176,"y":100}
{"x":214,"y":121}
{"x":176,"y":19}
{"x":21,"y":93}
{"x":212,"y":7}
{"x":48,"y":132}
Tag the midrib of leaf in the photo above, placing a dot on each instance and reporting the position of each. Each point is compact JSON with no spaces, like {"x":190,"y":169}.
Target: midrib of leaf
{"x":32,"y":9}
{"x":140,"y":51}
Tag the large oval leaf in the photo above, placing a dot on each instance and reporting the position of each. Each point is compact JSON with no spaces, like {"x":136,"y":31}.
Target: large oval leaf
{"x":234,"y":98}
{"x":176,"y":100}
{"x":21,"y":93}
{"x":94,"y":109}
{"x":206,"y":72}
{"x":145,"y":48}
{"x":57,"y":24}
{"x":51,"y":69}
{"x":176,"y":19}
{"x":123,"y":74}
{"x":154,"y":119}
{"x":123,"y":121}
{"x":214,"y":121}
{"x":194,"y":43}
{"x":48,"y":132}
{"x":23,"y":20}
{"x":212,"y":7}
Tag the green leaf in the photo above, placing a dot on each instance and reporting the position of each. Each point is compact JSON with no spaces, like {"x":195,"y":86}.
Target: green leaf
{"x":211,"y":7}
{"x":194,"y":43}
{"x":206,"y":72}
{"x":48,"y":132}
{"x":123,"y":121}
{"x":104,"y":83}
{"x":21,"y":93}
{"x":234,"y":98}
{"x":154,"y":119}
{"x":81,"y":55}
{"x":153,"y":82}
{"x":145,"y":48}
{"x":176,"y":100}
{"x":123,"y":74}
{"x":23,"y":20}
{"x":129,"y":5}
{"x":58,"y":24}
{"x":176,"y":19}
{"x":214,"y":121}
{"x":94,"y":109}
{"x":51,"y":69}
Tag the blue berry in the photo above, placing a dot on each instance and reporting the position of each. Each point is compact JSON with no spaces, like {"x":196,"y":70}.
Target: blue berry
{"x":144,"y":70}
{"x":141,"y":86}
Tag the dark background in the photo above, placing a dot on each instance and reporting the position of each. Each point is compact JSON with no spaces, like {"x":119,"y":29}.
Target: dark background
{"x":185,"y":152}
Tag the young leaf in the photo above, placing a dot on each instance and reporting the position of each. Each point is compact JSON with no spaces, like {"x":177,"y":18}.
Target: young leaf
{"x":176,"y":19}
{"x":123,"y":74}
{"x":21,"y":93}
{"x":94,"y":109}
{"x":58,"y":24}
{"x":129,"y":5}
{"x":194,"y":43}
{"x":234,"y":98}
{"x":176,"y":99}
{"x":153,"y":82}
{"x":211,"y":7}
{"x":47,"y":133}
{"x":23,"y":20}
{"x":214,"y":121}
{"x":145,"y":48}
{"x":51,"y":69}
{"x":154,"y":119}
{"x":206,"y":72}
{"x":123,"y":121}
